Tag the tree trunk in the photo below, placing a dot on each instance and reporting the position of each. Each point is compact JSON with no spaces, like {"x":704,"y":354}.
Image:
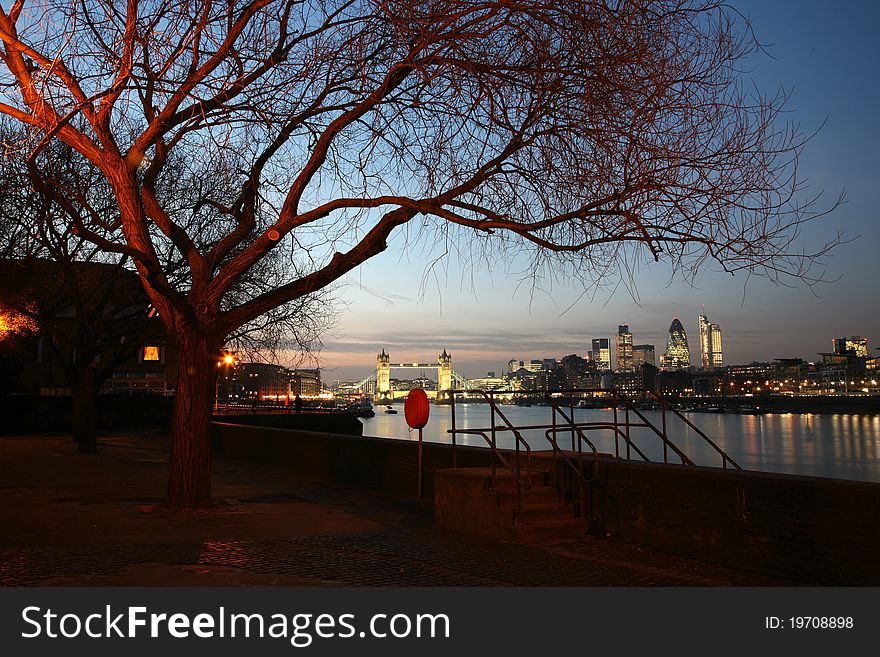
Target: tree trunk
{"x":189,"y":482}
{"x":85,"y":416}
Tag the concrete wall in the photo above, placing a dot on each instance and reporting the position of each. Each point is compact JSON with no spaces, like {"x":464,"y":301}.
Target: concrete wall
{"x":324,"y":422}
{"x":810,"y":529}
{"x":382,"y":464}
{"x":824,"y":531}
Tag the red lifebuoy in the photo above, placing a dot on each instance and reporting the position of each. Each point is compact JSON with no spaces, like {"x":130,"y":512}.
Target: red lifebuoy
{"x":416,"y":408}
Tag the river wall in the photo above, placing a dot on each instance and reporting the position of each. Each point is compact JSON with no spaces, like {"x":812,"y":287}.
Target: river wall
{"x":811,"y":529}
{"x":867,"y":404}
{"x":808,"y":529}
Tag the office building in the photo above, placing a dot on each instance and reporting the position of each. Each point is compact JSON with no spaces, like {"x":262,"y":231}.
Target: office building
{"x":643,"y":354}
{"x":624,"y":349}
{"x":678,"y":354}
{"x":711,"y":354}
{"x":601,"y":353}
{"x":717,"y":349}
{"x":856,"y":346}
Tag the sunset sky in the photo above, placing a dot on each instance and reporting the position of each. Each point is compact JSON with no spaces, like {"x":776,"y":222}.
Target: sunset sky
{"x":827,"y":55}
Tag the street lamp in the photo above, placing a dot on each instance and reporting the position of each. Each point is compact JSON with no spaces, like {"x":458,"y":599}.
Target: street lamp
{"x":226,"y":360}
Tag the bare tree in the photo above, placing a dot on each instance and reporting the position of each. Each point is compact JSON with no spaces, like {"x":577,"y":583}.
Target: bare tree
{"x":585,"y":133}
{"x":91,"y":311}
{"x":88,"y":305}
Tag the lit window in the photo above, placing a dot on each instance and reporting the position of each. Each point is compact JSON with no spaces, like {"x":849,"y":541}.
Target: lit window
{"x":151,"y":353}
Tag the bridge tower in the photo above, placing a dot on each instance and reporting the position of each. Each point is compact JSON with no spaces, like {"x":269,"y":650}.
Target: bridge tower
{"x":383,"y":377}
{"x":444,"y":377}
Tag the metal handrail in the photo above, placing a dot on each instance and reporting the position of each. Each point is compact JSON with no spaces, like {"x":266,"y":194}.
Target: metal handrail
{"x":584,"y":484}
{"x":725,"y":457}
{"x":516,"y":433}
{"x":499,"y":455}
{"x":492,"y":446}
{"x":618,"y":433}
{"x":519,"y":440}
{"x":581,"y":438}
{"x":584,"y":425}
{"x":620,"y":429}
{"x":619,"y":396}
{"x":685,"y":459}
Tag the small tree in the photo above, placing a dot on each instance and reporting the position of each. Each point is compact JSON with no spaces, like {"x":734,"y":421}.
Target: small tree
{"x":92,"y":317}
{"x":89,"y":309}
{"x":585,"y":134}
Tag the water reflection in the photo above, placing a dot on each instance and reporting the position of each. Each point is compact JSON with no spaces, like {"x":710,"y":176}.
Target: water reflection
{"x":840,"y":446}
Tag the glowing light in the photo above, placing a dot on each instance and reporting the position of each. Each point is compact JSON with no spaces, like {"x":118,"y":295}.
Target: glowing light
{"x":227,"y":359}
{"x":12,"y":322}
{"x":152,"y":353}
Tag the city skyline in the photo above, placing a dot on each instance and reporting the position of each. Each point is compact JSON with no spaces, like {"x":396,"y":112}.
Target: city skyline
{"x":587,"y":349}
{"x":417,"y":303}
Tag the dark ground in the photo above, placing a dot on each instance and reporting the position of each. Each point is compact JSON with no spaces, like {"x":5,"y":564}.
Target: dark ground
{"x":95,"y":520}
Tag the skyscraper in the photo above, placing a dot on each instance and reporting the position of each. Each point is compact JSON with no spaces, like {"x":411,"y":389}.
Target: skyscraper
{"x":711,"y":355}
{"x":705,"y":342}
{"x":717,"y":352}
{"x":642,"y":354}
{"x":678,"y":355}
{"x":624,"y":349}
{"x":602,"y":353}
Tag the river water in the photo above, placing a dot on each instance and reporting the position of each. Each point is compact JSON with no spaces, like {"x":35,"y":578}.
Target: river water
{"x":825,"y":445}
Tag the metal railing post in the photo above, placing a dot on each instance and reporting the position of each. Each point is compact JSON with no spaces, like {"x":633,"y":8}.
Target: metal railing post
{"x":617,"y":430}
{"x":452,"y":394}
{"x":665,"y":437}
{"x":492,"y":432}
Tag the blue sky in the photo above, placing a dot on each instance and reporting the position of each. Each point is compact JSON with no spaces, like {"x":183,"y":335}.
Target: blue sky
{"x":826,"y":54}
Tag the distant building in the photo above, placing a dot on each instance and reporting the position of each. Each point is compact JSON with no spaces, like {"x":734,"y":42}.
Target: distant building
{"x":705,"y":342}
{"x":306,"y":383}
{"x":247,"y":382}
{"x":678,"y":355}
{"x":674,"y":383}
{"x":488,"y":382}
{"x":717,"y":347}
{"x":711,"y":353}
{"x":856,"y":346}
{"x":534,"y":365}
{"x":601,"y":353}
{"x":643,"y":354}
{"x":522,"y":379}
{"x":624,"y":349}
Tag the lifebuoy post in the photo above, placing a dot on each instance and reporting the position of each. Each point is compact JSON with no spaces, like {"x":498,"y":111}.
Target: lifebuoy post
{"x":417,"y":409}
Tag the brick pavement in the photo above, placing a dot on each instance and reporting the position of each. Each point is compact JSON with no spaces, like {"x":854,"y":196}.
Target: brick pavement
{"x":95,"y":520}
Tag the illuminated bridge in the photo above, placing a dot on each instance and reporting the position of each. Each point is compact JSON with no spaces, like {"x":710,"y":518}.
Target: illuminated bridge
{"x":447,"y":378}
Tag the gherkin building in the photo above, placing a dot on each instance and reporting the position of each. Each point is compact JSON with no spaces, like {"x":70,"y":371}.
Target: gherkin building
{"x":678,"y":355}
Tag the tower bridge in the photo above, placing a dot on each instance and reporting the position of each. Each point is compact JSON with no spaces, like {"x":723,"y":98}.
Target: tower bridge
{"x":446,"y":377}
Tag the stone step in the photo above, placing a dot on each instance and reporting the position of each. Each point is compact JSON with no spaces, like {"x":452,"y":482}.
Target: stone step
{"x":542,"y":531}
{"x":535,"y":495}
{"x":531,"y":512}
{"x":506,"y":481}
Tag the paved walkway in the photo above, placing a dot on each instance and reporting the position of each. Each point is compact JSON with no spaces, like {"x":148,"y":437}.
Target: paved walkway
{"x":93,"y":520}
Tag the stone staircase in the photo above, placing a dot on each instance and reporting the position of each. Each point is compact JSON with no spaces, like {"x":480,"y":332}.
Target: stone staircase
{"x":544,"y":516}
